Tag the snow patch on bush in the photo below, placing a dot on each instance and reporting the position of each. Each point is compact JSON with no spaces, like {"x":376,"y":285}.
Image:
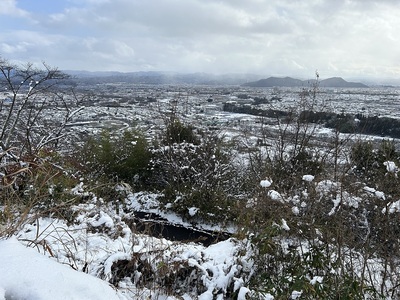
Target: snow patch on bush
{"x":391,"y":166}
{"x":308,"y":178}
{"x":265,"y":183}
{"x":274,"y":195}
{"x":192,"y":211}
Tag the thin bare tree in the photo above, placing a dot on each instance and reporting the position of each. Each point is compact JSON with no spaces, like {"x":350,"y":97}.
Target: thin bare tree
{"x":34,"y":112}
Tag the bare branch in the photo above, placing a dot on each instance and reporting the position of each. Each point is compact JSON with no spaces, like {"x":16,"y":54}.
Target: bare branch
{"x":31,"y":93}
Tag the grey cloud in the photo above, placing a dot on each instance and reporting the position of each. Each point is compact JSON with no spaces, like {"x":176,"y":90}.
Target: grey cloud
{"x":176,"y":18}
{"x":269,"y":37}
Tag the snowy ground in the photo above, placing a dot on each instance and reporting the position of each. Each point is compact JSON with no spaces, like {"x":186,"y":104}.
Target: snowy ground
{"x":27,"y":274}
{"x":100,"y":254}
{"x":51,"y":259}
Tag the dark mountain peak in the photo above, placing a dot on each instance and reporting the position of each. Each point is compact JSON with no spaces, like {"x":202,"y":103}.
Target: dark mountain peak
{"x":292,"y":82}
{"x":340,"y":82}
{"x":275,"y":81}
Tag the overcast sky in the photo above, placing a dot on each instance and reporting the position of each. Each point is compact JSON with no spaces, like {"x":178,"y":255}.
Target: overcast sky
{"x":348,"y":38}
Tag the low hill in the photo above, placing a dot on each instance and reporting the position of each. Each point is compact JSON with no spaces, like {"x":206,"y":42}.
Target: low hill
{"x":292,"y":82}
{"x":276,"y":81}
{"x":340,"y":82}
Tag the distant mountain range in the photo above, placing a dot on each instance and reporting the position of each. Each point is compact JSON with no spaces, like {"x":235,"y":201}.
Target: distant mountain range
{"x":154,"y":77}
{"x":250,"y":80}
{"x":337,"y":82}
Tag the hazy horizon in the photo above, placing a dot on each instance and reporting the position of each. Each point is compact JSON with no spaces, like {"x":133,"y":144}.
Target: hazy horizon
{"x":371,"y":81}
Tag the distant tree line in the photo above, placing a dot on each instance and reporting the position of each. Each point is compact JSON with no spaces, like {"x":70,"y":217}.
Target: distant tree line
{"x":344,"y":123}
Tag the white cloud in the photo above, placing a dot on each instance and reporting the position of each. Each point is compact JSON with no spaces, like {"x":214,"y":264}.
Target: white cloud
{"x":9,"y":7}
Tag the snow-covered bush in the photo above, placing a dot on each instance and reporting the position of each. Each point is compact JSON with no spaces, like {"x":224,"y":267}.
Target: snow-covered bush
{"x":117,"y":156}
{"x":176,"y":132}
{"x":369,"y":160}
{"x":46,"y":189}
{"x":313,"y":269}
{"x":339,"y":228}
{"x":196,"y":175}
